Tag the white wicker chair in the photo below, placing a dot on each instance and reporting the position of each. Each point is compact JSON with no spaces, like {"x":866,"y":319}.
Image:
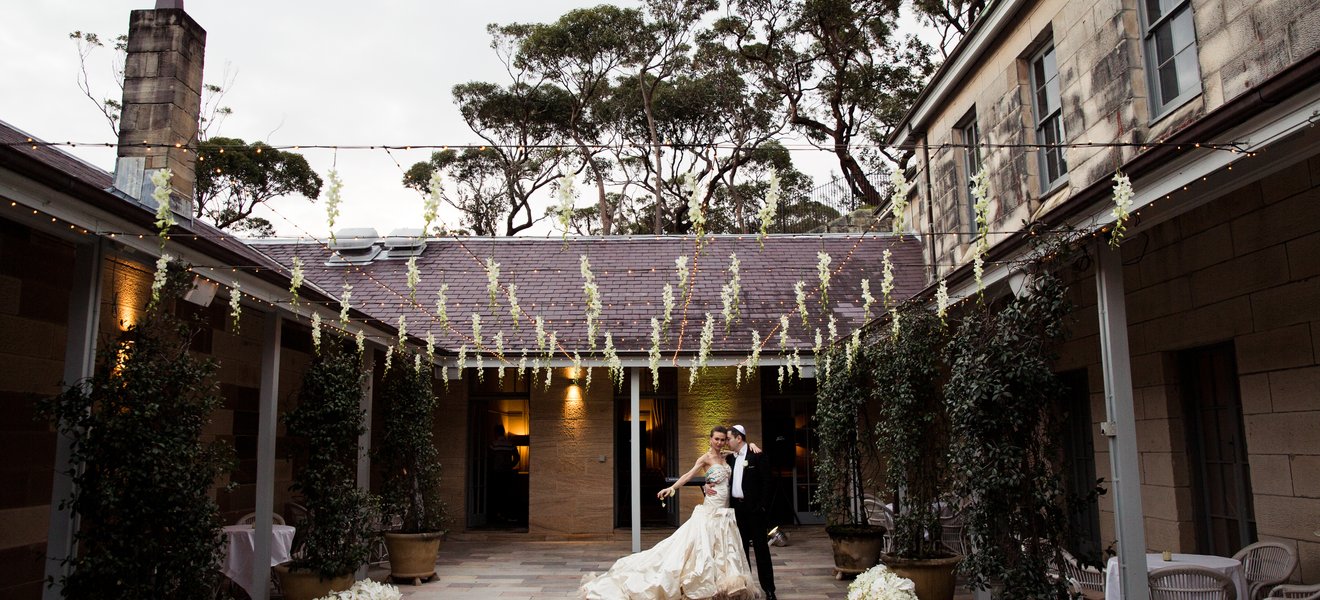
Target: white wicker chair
{"x":1190,"y":583}
{"x":952,"y":534}
{"x":877,"y":513}
{"x":1297,"y":592}
{"x":1265,"y":564}
{"x":251,"y":518}
{"x":1089,"y":580}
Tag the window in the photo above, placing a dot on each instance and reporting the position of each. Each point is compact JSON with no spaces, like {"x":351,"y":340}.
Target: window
{"x":1170,"y":46}
{"x":1049,"y":123}
{"x":970,"y":136}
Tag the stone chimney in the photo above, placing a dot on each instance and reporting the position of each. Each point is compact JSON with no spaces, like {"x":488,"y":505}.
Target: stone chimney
{"x":162,"y":99}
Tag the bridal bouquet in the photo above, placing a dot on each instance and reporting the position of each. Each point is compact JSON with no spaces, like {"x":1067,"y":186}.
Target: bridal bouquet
{"x":367,"y":589}
{"x":879,"y":583}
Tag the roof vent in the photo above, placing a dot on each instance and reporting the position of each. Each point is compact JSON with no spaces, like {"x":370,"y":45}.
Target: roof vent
{"x":354,"y":245}
{"x":405,"y":242}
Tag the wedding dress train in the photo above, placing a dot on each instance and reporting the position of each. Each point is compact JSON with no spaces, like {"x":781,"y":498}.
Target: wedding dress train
{"x":704,"y":558}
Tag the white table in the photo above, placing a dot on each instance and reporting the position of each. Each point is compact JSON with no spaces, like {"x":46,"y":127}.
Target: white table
{"x":240,"y":545}
{"x":1230,"y":567}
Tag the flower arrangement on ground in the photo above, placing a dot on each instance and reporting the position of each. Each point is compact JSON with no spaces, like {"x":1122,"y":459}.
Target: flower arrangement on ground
{"x":367,"y":589}
{"x":880,"y":583}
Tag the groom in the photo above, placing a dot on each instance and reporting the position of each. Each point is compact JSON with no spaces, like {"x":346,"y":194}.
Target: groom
{"x":750,"y":493}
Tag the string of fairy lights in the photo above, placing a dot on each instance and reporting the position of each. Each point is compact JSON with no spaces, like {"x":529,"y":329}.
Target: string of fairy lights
{"x":409,"y":300}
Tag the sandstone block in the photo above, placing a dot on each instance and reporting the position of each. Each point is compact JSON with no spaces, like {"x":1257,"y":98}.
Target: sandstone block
{"x":1275,"y":349}
{"x":1271,"y":474}
{"x":1305,"y":469}
{"x":1282,"y":433}
{"x":1295,"y":389}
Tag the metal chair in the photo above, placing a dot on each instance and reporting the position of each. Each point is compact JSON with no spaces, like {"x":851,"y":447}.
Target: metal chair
{"x":1265,"y":564}
{"x":952,"y":534}
{"x":1088,"y":580}
{"x":1190,"y":583}
{"x":877,"y":513}
{"x":1298,"y":592}
{"x":251,"y":518}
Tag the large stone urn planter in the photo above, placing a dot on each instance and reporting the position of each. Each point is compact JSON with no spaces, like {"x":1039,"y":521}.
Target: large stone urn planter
{"x":856,"y":548}
{"x":299,"y":584}
{"x":934,"y":577}
{"x":412,"y":555}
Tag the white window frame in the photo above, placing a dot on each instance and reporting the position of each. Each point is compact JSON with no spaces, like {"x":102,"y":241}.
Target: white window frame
{"x":1179,"y":9}
{"x":1054,"y":116}
{"x":969,"y":133}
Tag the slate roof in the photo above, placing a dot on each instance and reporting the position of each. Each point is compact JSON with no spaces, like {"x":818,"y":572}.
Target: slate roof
{"x":630,"y":272}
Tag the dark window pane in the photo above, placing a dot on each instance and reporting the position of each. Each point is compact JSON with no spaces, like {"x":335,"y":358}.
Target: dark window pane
{"x":1154,"y":10}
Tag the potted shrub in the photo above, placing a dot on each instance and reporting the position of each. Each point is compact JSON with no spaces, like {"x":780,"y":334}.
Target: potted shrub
{"x":150,"y":527}
{"x":1002,"y":394}
{"x":911,"y":434}
{"x":334,"y":540}
{"x":406,"y":455}
{"x":846,"y":462}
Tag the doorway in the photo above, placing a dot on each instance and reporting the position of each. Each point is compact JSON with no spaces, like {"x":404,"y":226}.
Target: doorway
{"x":499,"y":434}
{"x":790,"y":442}
{"x":1079,"y":466}
{"x":659,"y":449}
{"x":1217,"y":449}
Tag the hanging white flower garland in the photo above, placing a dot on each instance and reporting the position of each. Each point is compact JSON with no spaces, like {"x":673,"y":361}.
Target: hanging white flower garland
{"x":823,"y":271}
{"x":344,"y":297}
{"x":499,"y":352}
{"x":235,"y":308}
{"x":414,"y":277}
{"x":565,"y":209}
{"x":476,"y":330}
{"x":1122,"y":207}
{"x":681,"y":267}
{"x":887,"y":283}
{"x":730,"y":293}
{"x":515,"y":311}
{"x":441,"y":304}
{"x":653,"y":355}
{"x":461,"y":361}
{"x":592,"y":293}
{"x":403,"y":330}
{"x":981,"y":207}
{"x":696,"y":216}
{"x":754,"y":360}
{"x":867,"y":300}
{"x":667,"y":298}
{"x":431,"y":205}
{"x":159,"y":278}
{"x":361,"y":340}
{"x":389,"y":358}
{"x":800,"y":294}
{"x":942,"y":300}
{"x":161,"y":195}
{"x":899,"y":196}
{"x":296,"y":278}
{"x":612,"y":361}
{"x":332,"y":199}
{"x":316,"y":333}
{"x":492,"y":280}
{"x":768,"y":210}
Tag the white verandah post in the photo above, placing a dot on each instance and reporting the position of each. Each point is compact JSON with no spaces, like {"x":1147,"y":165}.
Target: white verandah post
{"x":266,"y":419}
{"x":364,"y":440}
{"x":79,"y":362}
{"x":1121,"y":425}
{"x":635,"y":456}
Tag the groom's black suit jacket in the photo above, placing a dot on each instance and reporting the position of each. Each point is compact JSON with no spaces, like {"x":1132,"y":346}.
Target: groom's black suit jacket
{"x":756,"y":479}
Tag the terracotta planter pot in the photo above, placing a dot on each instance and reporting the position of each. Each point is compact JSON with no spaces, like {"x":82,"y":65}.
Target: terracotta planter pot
{"x":307,"y":585}
{"x":933,"y":577}
{"x":856,"y":549}
{"x":412,"y":555}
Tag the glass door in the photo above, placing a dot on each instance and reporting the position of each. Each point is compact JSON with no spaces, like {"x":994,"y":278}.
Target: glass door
{"x":659,"y":446}
{"x":499,"y":468}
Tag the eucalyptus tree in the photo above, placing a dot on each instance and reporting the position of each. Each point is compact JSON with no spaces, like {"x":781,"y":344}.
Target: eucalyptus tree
{"x":580,"y":52}
{"x":234,"y":177}
{"x":952,"y":18}
{"x":477,"y":186}
{"x":840,"y":69}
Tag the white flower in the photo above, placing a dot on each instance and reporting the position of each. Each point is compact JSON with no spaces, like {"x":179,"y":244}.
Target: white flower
{"x":550,"y":348}
{"x":492,"y":279}
{"x":161,"y":195}
{"x":612,"y":361}
{"x":403,"y":329}
{"x":893,"y":321}
{"x":898,"y":199}
{"x":887,"y":284}
{"x":522,"y":364}
{"x":235,"y":308}
{"x":981,"y":205}
{"x":653,"y":355}
{"x":344,"y":297}
{"x":479,"y":360}
{"x":444,"y":375}
{"x":316,"y":332}
{"x":783,"y":372}
{"x":499,"y":354}
{"x":389,"y":357}
{"x":431,"y":205}
{"x":942,"y":299}
{"x":978,"y":270}
{"x":851,"y":349}
{"x":820,"y":343}
{"x":158,"y":280}
{"x":441,"y":302}
{"x":754,"y":360}
{"x":361,"y":339}
{"x":565,"y":210}
{"x":695,"y":214}
{"x":667,"y":297}
{"x":577,"y":364}
{"x":476,"y":329}
{"x":707,"y":339}
{"x":549,"y":376}
{"x":414,"y":277}
{"x":430,"y":347}
{"x":296,"y":278}
{"x":729,"y":294}
{"x":681,"y":266}
{"x":417,"y":363}
{"x":783,"y":333}
{"x":540,"y":333}
{"x":462,"y":358}
{"x":592,"y":294}
{"x":800,"y":292}
{"x":515,"y":311}
{"x":1122,"y":206}
{"x":366,"y":589}
{"x":332,"y":198}
{"x":823,"y":271}
{"x":771,"y":206}
{"x":880,"y":583}
{"x":834,"y":329}
{"x":867,"y":300}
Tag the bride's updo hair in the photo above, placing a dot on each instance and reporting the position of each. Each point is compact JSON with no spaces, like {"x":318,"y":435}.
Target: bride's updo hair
{"x":719,"y":429}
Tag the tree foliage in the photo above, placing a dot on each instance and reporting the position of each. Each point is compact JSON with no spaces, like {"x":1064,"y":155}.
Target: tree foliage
{"x":234,"y":177}
{"x":150,"y":527}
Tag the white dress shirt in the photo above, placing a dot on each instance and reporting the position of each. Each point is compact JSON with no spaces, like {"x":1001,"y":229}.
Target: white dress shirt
{"x":738,"y":466}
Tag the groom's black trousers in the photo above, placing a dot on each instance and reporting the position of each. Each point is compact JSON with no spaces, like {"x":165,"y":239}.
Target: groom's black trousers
{"x":754,"y":529}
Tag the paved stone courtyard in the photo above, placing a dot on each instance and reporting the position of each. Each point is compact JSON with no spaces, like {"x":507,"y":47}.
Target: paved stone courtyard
{"x":507,"y":567}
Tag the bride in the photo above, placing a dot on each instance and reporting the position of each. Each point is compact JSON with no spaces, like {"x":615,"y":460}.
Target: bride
{"x":704,"y":558}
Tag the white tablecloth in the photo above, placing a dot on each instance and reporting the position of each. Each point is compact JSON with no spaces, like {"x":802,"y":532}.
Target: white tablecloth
{"x":240,"y":546}
{"x":1228,"y":566}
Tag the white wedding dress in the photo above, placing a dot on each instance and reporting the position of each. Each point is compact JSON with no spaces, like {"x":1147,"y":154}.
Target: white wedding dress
{"x":702,"y":559}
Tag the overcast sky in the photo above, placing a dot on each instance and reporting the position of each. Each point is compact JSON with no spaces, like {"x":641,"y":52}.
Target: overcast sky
{"x":324,"y":72}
